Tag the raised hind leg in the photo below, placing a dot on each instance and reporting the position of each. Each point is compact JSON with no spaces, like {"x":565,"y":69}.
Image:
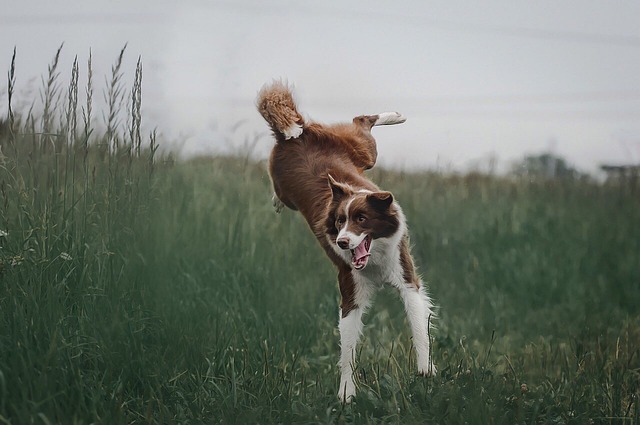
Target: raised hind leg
{"x":364,"y":123}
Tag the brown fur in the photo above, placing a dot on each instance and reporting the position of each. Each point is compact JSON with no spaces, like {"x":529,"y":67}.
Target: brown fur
{"x":300,"y":170}
{"x":276,"y":105}
{"x":380,"y":219}
{"x":409,"y":271}
{"x":319,"y":170}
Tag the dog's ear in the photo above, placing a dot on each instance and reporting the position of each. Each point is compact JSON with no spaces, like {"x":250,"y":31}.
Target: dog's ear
{"x":381,"y":201}
{"x":338,"y":190}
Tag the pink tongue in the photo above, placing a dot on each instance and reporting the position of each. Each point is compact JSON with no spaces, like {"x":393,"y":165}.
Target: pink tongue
{"x":361,"y":251}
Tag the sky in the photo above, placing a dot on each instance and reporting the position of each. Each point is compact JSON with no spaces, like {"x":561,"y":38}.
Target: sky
{"x":479,"y":82}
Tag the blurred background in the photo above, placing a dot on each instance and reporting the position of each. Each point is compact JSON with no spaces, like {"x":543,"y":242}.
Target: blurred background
{"x":137,"y":288}
{"x":483,"y":84}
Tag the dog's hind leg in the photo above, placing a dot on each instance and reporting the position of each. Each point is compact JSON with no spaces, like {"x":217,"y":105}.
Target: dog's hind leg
{"x":367,"y":122}
{"x":278,"y":200}
{"x":366,"y":153}
{"x":278,"y":205}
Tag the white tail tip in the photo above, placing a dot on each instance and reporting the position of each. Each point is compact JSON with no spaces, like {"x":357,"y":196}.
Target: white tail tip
{"x":294,"y":130}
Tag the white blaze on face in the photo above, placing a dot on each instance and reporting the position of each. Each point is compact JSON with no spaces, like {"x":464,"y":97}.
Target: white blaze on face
{"x":345,"y":233}
{"x":358,"y":244}
{"x":354,"y":240}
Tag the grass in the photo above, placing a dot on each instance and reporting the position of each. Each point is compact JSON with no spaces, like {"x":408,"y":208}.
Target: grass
{"x":134,"y":289}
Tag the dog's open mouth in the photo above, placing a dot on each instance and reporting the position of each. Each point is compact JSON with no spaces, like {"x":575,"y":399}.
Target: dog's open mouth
{"x":360,"y":255}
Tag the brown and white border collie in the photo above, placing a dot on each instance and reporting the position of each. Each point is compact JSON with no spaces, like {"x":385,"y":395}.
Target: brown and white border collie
{"x":318,"y":170}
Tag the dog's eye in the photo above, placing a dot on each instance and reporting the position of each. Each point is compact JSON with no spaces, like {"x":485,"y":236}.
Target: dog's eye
{"x":361,"y":219}
{"x":340,"y":221}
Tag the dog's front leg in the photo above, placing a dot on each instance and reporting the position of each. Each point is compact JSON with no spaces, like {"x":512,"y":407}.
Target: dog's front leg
{"x":419,"y":311}
{"x":350,"y":330}
{"x":356,"y":296}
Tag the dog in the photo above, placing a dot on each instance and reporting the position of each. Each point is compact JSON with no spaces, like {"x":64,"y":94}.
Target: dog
{"x":318,"y":170}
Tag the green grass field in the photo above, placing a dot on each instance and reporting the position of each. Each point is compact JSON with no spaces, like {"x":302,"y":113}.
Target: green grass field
{"x":135,"y":289}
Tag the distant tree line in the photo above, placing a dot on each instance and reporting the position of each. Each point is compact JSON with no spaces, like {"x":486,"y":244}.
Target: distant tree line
{"x":547,"y":166}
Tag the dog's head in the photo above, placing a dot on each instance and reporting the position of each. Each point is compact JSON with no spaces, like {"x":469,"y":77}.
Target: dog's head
{"x":357,"y":218}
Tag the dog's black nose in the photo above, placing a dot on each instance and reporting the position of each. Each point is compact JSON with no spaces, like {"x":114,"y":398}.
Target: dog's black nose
{"x":343,"y":243}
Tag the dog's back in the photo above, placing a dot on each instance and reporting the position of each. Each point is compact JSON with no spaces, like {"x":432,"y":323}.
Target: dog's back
{"x":306,"y":153}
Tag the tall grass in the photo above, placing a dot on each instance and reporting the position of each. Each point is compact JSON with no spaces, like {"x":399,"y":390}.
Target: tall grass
{"x":134,"y":290}
{"x":68,"y":207}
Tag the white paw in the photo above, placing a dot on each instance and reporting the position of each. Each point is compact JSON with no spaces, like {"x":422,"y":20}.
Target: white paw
{"x":277,"y":203}
{"x":390,"y":118}
{"x":347,"y":391}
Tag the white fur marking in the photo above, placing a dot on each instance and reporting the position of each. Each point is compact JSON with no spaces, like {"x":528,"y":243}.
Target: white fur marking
{"x":354,"y":240}
{"x":277,"y":203}
{"x":350,"y":331}
{"x":295,"y":130}
{"x":390,"y":118}
{"x":384,"y":268}
{"x":346,"y":208}
{"x":418,"y":307}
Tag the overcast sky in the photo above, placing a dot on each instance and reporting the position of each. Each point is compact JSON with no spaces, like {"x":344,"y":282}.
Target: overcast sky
{"x":475,"y":79}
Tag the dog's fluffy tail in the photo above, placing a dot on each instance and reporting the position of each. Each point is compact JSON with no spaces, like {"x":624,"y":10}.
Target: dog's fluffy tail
{"x":276,"y":105}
